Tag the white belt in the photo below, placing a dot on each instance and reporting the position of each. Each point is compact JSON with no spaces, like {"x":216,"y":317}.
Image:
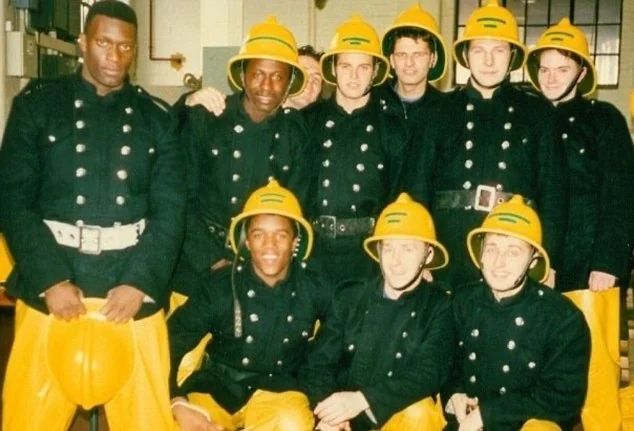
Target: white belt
{"x":95,"y":239}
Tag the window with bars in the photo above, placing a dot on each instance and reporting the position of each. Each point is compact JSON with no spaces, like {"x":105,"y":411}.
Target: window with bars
{"x":601,"y":21}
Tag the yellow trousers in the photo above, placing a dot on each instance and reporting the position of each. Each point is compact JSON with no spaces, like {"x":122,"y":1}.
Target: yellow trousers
{"x":424,"y":415}
{"x":265,"y":411}
{"x":32,"y":401}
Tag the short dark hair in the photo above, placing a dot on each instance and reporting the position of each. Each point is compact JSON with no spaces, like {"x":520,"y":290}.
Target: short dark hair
{"x":112,"y":9}
{"x":411,"y":33}
{"x":569,"y":54}
{"x":310,"y":51}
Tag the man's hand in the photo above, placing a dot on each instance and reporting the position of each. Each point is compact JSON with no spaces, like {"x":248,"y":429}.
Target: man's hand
{"x":600,"y":281}
{"x":550,"y":281}
{"x":323,"y":426}
{"x":63,"y":300}
{"x":473,"y":421}
{"x":189,"y":418}
{"x":220,"y":264}
{"x":460,"y":405}
{"x":212,"y":99}
{"x":341,"y":407}
{"x":122,"y":303}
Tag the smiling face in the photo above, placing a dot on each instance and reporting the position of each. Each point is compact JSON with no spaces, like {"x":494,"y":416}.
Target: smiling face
{"x":401,"y":261}
{"x":488,"y":61}
{"x":556,"y":74}
{"x":504,"y":260}
{"x":266,"y":84}
{"x":108,"y":48}
{"x":271,"y":240}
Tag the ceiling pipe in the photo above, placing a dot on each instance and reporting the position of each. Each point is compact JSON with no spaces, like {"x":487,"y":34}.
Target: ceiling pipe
{"x":176,"y":60}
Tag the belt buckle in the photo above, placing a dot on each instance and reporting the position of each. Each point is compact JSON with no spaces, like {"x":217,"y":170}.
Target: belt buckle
{"x":484,"y":198}
{"x":90,"y":240}
{"x":328,"y":225}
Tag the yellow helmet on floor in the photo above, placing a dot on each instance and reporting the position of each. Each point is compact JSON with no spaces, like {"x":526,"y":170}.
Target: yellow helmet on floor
{"x":492,"y":22}
{"x":406,"y":219}
{"x":273,"y":199}
{"x":416,"y":17}
{"x":513,"y":218}
{"x":268,"y":40}
{"x":357,"y":37}
{"x":567,"y":37}
{"x":90,"y":358}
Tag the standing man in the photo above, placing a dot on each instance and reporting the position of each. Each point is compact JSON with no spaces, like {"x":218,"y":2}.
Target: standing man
{"x":261,"y":314}
{"x":390,"y":342}
{"x":600,"y":159}
{"x":92,"y":206}
{"x":229,"y":156}
{"x":360,"y":141}
{"x":523,"y":349}
{"x":488,"y":141}
{"x":417,"y":55}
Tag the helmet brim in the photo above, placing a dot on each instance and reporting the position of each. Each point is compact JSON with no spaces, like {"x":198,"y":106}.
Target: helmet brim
{"x":234,"y":71}
{"x":326,"y":66}
{"x":440,"y":259}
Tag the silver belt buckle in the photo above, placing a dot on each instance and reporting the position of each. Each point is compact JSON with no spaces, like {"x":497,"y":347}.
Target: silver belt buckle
{"x":90,"y":240}
{"x":484,"y":198}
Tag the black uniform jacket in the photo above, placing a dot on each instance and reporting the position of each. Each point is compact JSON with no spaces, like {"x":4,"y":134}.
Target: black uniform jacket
{"x":229,"y":157}
{"x":508,"y":142}
{"x":358,"y":166}
{"x":72,"y":156}
{"x":524,"y":357}
{"x":600,"y":160}
{"x":396,"y":352}
{"x":277,"y":324}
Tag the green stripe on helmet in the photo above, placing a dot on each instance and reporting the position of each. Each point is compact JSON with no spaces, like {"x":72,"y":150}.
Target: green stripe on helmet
{"x":274,"y":39}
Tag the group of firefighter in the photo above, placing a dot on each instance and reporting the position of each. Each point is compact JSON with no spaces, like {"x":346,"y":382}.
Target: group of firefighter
{"x":391,"y":257}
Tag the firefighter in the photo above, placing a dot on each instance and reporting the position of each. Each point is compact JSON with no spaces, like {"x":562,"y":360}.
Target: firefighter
{"x":360,"y":141}
{"x":389,"y":343}
{"x":523,"y":348}
{"x":92,"y":207}
{"x":254,"y":139}
{"x":488,"y":141}
{"x":260,"y":313}
{"x":417,"y":55}
{"x":600,"y":158}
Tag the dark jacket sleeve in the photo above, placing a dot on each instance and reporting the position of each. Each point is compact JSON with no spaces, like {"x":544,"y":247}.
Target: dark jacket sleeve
{"x":427,"y":371}
{"x":559,"y":394}
{"x":552,"y":187}
{"x":317,"y":377}
{"x":32,"y":244}
{"x":152,"y":260}
{"x":616,"y":213}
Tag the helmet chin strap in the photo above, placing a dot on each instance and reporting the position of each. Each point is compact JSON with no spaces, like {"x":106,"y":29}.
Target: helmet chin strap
{"x":493,"y":86}
{"x":570,"y":86}
{"x":415,"y":278}
{"x":520,"y":280}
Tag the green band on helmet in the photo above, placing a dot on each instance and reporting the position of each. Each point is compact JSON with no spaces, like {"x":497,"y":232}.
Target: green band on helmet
{"x":561,"y":33}
{"x":272,"y":197}
{"x":487,"y":19}
{"x":510,"y":217}
{"x":274,"y":39}
{"x":355,"y":40}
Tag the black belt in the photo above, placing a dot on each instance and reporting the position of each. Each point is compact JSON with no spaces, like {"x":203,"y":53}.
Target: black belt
{"x":333,"y":227}
{"x":483,"y":198}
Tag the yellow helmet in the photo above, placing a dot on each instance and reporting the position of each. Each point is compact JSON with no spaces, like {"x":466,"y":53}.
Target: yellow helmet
{"x":359,"y":37}
{"x":513,"y":218}
{"x":273,"y":199}
{"x":420,"y":19}
{"x":90,"y":358}
{"x":495,"y":22}
{"x":569,"y":38}
{"x":6,"y":261}
{"x":406,"y":219}
{"x":268,"y":40}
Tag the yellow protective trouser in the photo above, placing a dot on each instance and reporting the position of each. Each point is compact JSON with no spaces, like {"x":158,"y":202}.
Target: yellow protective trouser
{"x":424,"y":415}
{"x":539,"y":425}
{"x":627,"y":408}
{"x":601,"y":309}
{"x":33,"y":401}
{"x":265,"y":411}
